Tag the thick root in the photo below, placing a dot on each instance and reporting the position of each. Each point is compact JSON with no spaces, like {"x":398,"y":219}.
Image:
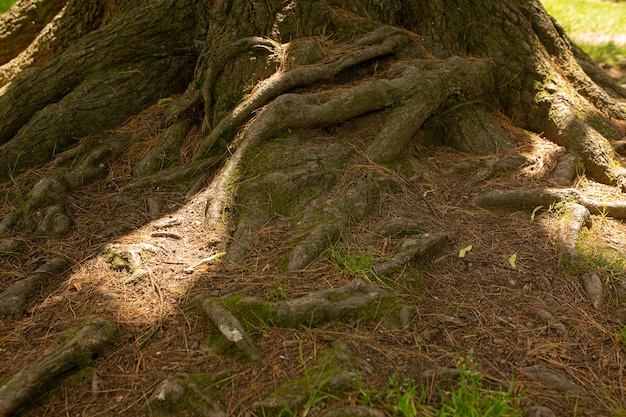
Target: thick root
{"x":76,"y":352}
{"x":14,"y":299}
{"x":532,"y":198}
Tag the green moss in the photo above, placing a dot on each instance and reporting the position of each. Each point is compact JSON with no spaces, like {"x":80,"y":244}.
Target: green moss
{"x":380,"y":310}
{"x":254,"y":316}
{"x":222,"y":346}
{"x":282,"y":262}
{"x":65,"y":336}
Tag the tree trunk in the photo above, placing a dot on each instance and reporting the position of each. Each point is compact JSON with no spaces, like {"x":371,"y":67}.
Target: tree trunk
{"x":302,"y":118}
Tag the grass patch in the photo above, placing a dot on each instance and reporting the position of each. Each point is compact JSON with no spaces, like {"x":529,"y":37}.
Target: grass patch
{"x":5,"y":4}
{"x":594,"y":25}
{"x":469,"y":397}
{"x":621,"y":335}
{"x":355,"y":264}
{"x":352,"y":263}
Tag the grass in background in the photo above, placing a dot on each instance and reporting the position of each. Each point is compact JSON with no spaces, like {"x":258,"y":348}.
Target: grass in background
{"x":470,"y":397}
{"x":598,"y":27}
{"x":5,"y":4}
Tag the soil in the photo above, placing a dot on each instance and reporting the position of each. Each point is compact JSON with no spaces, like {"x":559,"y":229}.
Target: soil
{"x":482,"y":304}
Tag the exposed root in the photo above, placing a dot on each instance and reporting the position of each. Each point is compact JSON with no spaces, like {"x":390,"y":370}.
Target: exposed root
{"x":171,"y":391}
{"x":486,"y":168}
{"x":166,"y":153}
{"x":176,"y":176}
{"x":24,"y":23}
{"x":411,"y":248}
{"x":76,"y":352}
{"x":231,"y":328}
{"x":330,"y":220}
{"x":559,"y":380}
{"x":548,"y":319}
{"x":13,"y":300}
{"x":597,"y":74}
{"x":591,"y":146}
{"x":413,"y":83}
{"x":299,"y":77}
{"x":313,"y":309}
{"x":532,"y":198}
{"x":326,"y":305}
{"x":574,"y":217}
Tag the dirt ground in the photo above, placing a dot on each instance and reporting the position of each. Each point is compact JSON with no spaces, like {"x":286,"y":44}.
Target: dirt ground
{"x":479,"y":303}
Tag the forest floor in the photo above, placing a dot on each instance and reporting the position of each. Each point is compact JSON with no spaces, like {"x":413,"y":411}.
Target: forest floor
{"x":512,"y":315}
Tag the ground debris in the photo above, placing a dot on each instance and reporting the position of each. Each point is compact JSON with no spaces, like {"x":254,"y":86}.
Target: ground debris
{"x":548,"y":319}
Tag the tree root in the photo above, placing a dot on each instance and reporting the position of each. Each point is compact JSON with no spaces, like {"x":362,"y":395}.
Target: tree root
{"x":314,"y":309}
{"x":407,"y":87}
{"x":559,"y":380}
{"x":176,"y":176}
{"x":548,"y":319}
{"x":327,"y":305}
{"x":166,"y":153}
{"x":298,"y":77}
{"x":58,"y":126}
{"x":532,"y":198}
{"x":586,"y":137}
{"x":574,"y":217}
{"x":22,"y":24}
{"x":411,"y":248}
{"x":330,"y":220}
{"x":77,"y":351}
{"x":231,"y":328}
{"x":485,"y":168}
{"x":597,"y":74}
{"x":13,"y":299}
{"x":183,"y":389}
{"x":334,"y":370}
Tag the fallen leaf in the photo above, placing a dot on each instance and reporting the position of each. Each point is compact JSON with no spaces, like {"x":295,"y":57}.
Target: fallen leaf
{"x":464,"y":251}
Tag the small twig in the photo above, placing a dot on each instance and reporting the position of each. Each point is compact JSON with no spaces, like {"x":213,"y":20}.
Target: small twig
{"x":204,"y":261}
{"x":166,"y":234}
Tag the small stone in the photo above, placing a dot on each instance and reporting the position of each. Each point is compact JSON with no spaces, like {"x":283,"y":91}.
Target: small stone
{"x":10,"y":245}
{"x":407,"y":314}
{"x":538,"y":411}
{"x":558,"y":380}
{"x":54,"y":222}
{"x":168,"y":390}
{"x":97,"y":383}
{"x":430,"y":335}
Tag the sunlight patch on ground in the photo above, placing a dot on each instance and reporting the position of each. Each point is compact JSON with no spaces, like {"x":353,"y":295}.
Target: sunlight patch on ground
{"x":145,"y":294}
